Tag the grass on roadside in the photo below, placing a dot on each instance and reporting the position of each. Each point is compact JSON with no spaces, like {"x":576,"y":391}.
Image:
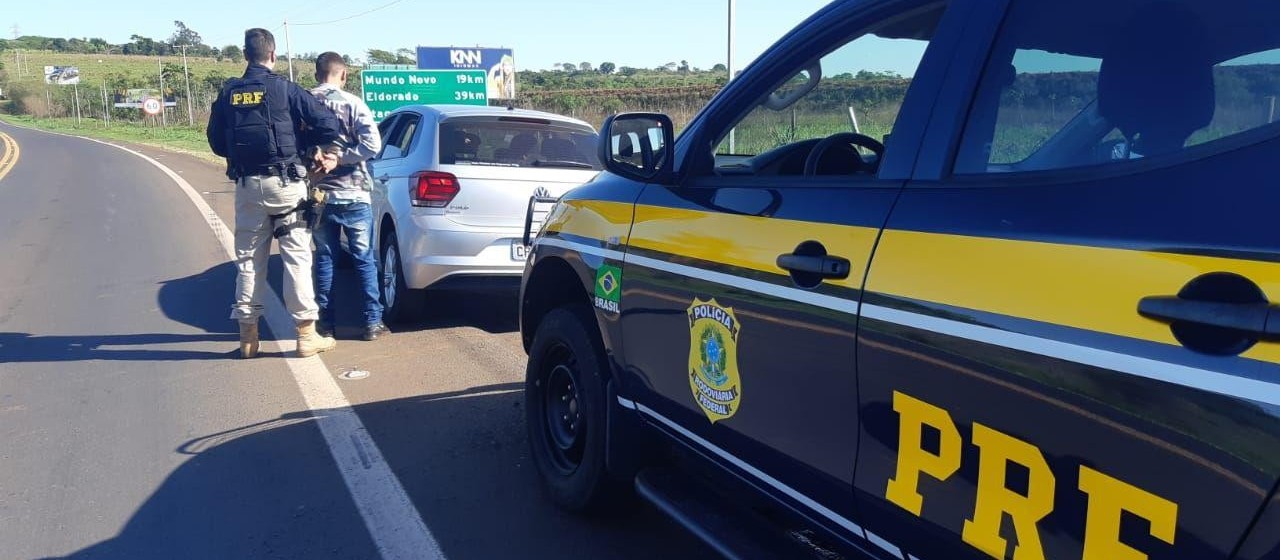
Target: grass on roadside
{"x":179,"y":138}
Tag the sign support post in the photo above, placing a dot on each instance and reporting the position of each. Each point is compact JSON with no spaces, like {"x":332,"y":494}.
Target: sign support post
{"x":76,"y":89}
{"x":163,"y":120}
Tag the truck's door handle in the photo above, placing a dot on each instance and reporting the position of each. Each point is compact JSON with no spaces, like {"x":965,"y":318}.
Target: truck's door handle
{"x":825,"y":266}
{"x":1256,"y":318}
{"x":382,"y":178}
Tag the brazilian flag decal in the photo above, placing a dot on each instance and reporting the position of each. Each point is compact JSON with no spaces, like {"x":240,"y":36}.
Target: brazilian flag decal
{"x":608,"y":287}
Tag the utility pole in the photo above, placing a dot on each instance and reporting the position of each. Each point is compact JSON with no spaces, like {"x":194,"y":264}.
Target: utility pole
{"x":16,"y":62}
{"x":191,"y":120}
{"x":729,"y":64}
{"x":76,"y":88}
{"x":160,"y":65}
{"x":106,"y":106}
{"x":288,"y":47}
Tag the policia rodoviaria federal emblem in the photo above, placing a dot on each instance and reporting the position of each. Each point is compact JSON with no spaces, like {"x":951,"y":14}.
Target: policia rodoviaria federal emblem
{"x":713,"y":359}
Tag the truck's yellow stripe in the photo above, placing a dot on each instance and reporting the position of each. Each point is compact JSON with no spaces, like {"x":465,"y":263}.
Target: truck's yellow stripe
{"x":1090,"y":288}
{"x":593,"y":219}
{"x":749,"y":242}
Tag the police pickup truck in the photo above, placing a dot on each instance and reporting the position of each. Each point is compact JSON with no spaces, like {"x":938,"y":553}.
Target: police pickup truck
{"x":935,"y":280}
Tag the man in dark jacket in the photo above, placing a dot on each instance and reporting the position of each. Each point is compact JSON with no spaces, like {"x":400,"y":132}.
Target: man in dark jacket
{"x":261,"y":123}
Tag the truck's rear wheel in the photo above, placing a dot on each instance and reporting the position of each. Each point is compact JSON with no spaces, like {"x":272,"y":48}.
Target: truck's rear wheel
{"x":565,"y":407}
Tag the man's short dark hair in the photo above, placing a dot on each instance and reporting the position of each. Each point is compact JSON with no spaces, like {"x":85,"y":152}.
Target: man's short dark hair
{"x":258,"y":45}
{"x":329,"y":63}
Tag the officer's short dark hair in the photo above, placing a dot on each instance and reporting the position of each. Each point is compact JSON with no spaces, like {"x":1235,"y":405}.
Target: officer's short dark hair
{"x":258,"y":45}
{"x":329,"y":63}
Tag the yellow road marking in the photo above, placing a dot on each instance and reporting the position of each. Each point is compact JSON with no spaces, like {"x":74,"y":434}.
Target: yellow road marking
{"x":10,"y":157}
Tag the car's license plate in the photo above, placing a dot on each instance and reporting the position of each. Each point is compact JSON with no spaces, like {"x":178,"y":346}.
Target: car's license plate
{"x":518,"y":251}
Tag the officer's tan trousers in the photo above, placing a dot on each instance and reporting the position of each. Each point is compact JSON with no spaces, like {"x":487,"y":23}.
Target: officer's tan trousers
{"x":257,"y":198}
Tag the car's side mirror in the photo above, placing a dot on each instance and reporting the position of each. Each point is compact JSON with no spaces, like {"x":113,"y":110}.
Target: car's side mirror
{"x":638,"y":146}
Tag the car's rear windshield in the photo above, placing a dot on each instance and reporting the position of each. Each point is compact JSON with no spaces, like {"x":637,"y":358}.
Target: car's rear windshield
{"x":517,"y":142}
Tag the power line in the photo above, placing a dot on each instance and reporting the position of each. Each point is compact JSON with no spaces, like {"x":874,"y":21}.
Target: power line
{"x":353,"y":16}
{"x":285,"y":12}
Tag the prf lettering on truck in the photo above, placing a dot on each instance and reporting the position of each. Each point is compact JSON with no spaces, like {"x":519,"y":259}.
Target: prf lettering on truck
{"x":1108,"y":497}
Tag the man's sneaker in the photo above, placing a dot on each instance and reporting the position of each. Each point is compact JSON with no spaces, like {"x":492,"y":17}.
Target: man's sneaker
{"x":372,"y":332}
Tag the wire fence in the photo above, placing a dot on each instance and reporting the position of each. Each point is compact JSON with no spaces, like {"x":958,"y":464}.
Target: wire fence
{"x":97,"y":101}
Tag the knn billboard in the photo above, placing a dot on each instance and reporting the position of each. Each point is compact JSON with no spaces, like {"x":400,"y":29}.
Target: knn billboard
{"x":499,"y":65}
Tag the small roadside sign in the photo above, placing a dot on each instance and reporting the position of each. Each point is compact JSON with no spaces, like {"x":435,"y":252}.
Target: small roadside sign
{"x":151,"y":106}
{"x":387,"y":90}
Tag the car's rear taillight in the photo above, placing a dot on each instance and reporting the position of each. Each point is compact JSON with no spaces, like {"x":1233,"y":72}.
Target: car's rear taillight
{"x":434,"y":189}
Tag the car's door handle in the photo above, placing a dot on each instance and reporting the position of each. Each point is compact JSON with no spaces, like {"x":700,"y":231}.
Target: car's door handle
{"x":825,"y":266}
{"x":382,"y":178}
{"x":1257,"y":318}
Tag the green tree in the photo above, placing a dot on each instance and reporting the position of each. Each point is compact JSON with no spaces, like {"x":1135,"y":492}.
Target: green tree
{"x":585,"y":67}
{"x":214,"y":80}
{"x":612,"y":106}
{"x":173,"y":76}
{"x":232,"y":52}
{"x":183,"y":35}
{"x":878,"y":75}
{"x":569,"y":67}
{"x":607,"y":67}
{"x":378,"y":56}
{"x":719,"y":68}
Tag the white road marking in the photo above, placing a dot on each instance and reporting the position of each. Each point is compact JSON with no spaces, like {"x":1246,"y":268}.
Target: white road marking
{"x":394,"y":524}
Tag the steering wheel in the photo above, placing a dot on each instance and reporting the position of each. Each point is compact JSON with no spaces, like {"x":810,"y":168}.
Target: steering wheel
{"x":839,"y":138}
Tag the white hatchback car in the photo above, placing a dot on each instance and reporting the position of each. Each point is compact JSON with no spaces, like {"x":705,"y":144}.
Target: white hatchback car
{"x":451,"y":189}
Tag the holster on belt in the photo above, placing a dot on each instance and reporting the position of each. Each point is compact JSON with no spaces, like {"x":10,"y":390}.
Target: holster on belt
{"x":305,"y":214}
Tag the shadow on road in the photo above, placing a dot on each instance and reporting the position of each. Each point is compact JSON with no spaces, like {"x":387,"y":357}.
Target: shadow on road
{"x":493,"y":310}
{"x":24,"y":347}
{"x":204,"y":301}
{"x":271,"y":490}
{"x":201,"y":300}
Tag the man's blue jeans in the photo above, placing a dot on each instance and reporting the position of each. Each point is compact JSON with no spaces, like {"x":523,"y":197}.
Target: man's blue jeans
{"x":355,"y":220}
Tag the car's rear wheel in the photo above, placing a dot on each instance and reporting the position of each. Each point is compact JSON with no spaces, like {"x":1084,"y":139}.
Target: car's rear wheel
{"x":565,"y":410}
{"x":400,"y":304}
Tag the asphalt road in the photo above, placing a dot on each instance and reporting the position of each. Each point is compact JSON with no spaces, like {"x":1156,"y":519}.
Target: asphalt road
{"x":129,"y":430}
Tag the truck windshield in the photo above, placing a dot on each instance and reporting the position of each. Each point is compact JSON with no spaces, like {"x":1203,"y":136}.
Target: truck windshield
{"x":517,"y":142}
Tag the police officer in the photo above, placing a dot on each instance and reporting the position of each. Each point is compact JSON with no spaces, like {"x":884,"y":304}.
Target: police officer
{"x":261,"y":122}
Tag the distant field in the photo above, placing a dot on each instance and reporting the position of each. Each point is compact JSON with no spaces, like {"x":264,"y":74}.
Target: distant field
{"x":97,"y":68}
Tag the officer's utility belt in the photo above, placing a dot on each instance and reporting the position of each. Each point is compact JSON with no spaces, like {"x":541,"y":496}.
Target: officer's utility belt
{"x":285,"y":171}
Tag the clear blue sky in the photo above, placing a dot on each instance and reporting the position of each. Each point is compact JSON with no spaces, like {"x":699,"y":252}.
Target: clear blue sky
{"x":542,"y":32}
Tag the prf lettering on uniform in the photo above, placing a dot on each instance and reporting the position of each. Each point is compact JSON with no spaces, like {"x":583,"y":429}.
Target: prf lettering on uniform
{"x":246,"y":98}
{"x":1108,"y":497}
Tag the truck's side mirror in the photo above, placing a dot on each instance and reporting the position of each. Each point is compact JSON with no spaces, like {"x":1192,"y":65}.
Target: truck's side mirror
{"x":638,"y":146}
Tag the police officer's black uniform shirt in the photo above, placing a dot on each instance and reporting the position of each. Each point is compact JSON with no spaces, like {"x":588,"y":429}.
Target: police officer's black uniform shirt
{"x":263,"y":119}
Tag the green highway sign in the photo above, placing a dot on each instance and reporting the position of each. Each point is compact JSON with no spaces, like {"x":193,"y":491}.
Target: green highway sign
{"x":387,"y":90}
